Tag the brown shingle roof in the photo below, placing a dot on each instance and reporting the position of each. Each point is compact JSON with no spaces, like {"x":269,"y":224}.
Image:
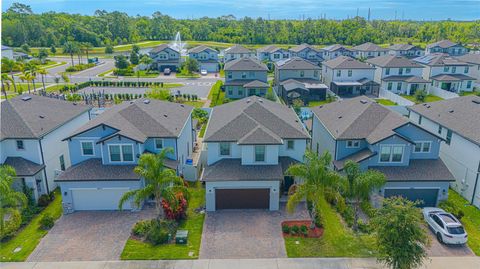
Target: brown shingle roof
{"x":23,"y":167}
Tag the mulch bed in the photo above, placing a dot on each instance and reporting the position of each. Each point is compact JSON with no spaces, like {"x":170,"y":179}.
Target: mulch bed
{"x":312,"y":233}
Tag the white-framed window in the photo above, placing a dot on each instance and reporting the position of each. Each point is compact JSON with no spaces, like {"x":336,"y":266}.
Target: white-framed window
{"x":224,"y":149}
{"x":339,"y":73}
{"x":158,"y":143}
{"x":302,"y":74}
{"x":400,"y":71}
{"x":449,"y":137}
{"x":349,"y":73}
{"x":120,"y":153}
{"x":466,"y":70}
{"x":87,"y":148}
{"x":290,"y":144}
{"x":244,"y":74}
{"x":387,"y":71}
{"x":259,"y":153}
{"x":61,"y":159}
{"x":229,"y":74}
{"x":389,"y":86}
{"x":391,"y":154}
{"x":446,"y":68}
{"x":353,"y":144}
{"x":408,"y":70}
{"x":422,"y":146}
{"x":20,"y":145}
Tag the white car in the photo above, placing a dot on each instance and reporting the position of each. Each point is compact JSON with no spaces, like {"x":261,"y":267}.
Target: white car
{"x":447,"y":228}
{"x":203,"y":72}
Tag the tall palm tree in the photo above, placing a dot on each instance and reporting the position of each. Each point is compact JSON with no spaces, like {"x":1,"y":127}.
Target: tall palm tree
{"x":32,"y":69}
{"x":316,"y":177}
{"x":6,"y":81}
{"x":43,"y":72}
{"x":25,"y":76}
{"x":87,"y":46}
{"x":360,"y":185}
{"x":10,"y":200}
{"x":160,"y":181}
{"x":10,"y":65}
{"x":71,"y":48}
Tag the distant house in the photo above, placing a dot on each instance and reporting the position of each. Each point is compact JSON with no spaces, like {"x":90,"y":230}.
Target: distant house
{"x":347,"y":76}
{"x":32,"y":129}
{"x":333,"y":51}
{"x":164,"y":56}
{"x":7,"y":52}
{"x":446,"y":46}
{"x":375,"y":137}
{"x":474,"y":69}
{"x":237,"y":52}
{"x":368,"y":50}
{"x":398,"y":74}
{"x":207,"y":58}
{"x":296,"y":78}
{"x":105,"y":151}
{"x":457,"y":121}
{"x":447,"y":72}
{"x":307,"y":52}
{"x":405,"y":50}
{"x":245,"y":77}
{"x":272,"y":53}
{"x":250,"y":144}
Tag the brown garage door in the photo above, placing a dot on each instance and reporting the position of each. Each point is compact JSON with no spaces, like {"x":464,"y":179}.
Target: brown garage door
{"x":242,"y":198}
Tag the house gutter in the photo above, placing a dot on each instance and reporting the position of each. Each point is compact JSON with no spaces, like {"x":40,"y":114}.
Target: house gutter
{"x":475,"y":186}
{"x":44,"y":170}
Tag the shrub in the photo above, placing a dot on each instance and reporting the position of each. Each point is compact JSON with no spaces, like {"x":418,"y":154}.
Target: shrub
{"x":286,"y":229}
{"x":43,"y":200}
{"x":47,"y":222}
{"x":175,"y":213}
{"x":420,"y":95}
{"x":368,"y":209}
{"x":160,"y":231}
{"x":364,"y":227}
{"x":450,"y":207}
{"x":348,"y":215}
{"x":304,"y":230}
{"x":11,"y":225}
{"x":341,"y":206}
{"x":295,"y":229}
{"x":141,"y":228}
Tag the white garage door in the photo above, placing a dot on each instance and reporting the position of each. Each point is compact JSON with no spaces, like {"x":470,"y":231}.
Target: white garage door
{"x":98,"y":199}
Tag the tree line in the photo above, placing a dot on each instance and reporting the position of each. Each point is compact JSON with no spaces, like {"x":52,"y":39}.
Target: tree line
{"x":20,"y":25}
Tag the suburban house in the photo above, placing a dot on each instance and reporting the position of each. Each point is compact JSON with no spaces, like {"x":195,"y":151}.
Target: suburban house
{"x":347,"y":76}
{"x":272,"y":53}
{"x":457,"y":121}
{"x":375,"y":137}
{"x":245,"y":77}
{"x":237,"y":52}
{"x":405,"y":50}
{"x":307,"y":52}
{"x":105,"y":151}
{"x":398,"y":74}
{"x":368,"y":50}
{"x":32,"y":129}
{"x":164,"y":56}
{"x":206,"y":57}
{"x":474,"y":60}
{"x":446,"y":46}
{"x":333,"y":51}
{"x":250,"y":144}
{"x":296,"y":78}
{"x":447,"y":72}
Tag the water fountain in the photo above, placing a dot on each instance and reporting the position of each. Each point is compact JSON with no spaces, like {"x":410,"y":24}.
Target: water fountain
{"x":178,"y":45}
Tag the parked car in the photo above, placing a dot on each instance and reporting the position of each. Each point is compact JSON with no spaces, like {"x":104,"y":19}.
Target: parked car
{"x":167,"y":71}
{"x":203,"y":72}
{"x":447,"y":228}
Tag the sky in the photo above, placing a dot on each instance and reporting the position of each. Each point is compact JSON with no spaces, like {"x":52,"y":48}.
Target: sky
{"x":274,"y":9}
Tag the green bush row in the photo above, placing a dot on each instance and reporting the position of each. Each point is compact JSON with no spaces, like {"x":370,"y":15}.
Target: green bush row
{"x":295,"y":230}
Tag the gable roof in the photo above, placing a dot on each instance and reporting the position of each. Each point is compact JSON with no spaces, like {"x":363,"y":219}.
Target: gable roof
{"x":439,"y":59}
{"x":369,"y":46}
{"x":443,"y":44}
{"x":269,"y":49}
{"x":345,"y":62}
{"x":403,"y":47}
{"x":359,"y":118}
{"x":334,"y":47}
{"x":392,"y":61}
{"x":245,"y":64}
{"x":161,"y":48}
{"x":471,"y":58}
{"x":33,"y":116}
{"x":23,"y":167}
{"x":200,"y":48}
{"x":303,"y":46}
{"x":253,"y":120}
{"x":296,"y":63}
{"x":141,"y":119}
{"x":237,"y":49}
{"x":460,"y":115}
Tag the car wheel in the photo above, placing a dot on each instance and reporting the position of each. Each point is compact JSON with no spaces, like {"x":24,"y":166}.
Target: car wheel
{"x":439,"y":238}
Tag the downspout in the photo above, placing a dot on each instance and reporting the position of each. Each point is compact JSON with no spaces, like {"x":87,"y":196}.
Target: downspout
{"x":476,"y":184}
{"x":44,"y":169}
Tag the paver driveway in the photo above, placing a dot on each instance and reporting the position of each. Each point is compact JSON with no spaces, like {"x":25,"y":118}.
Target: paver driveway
{"x":88,"y":236}
{"x":231,"y":234}
{"x":438,"y":249}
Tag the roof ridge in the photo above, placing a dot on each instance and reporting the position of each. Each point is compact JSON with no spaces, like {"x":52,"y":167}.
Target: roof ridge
{"x":150,"y":116}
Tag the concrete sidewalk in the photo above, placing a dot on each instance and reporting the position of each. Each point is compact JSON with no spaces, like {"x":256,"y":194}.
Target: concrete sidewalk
{"x":313,"y":263}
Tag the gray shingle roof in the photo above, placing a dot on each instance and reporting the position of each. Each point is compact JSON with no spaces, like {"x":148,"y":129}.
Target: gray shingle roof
{"x":403,"y":47}
{"x":439,"y":59}
{"x":417,"y":170}
{"x":23,"y":167}
{"x":140,"y":120}
{"x":296,"y":63}
{"x":393,"y":61}
{"x":245,"y":64}
{"x":200,"y":48}
{"x":368,"y":46}
{"x":256,"y":83}
{"x":356,"y":157}
{"x":235,"y":121}
{"x":409,"y":79}
{"x":94,"y":170}
{"x":233,"y":170}
{"x":345,"y":62}
{"x":37,"y":116}
{"x":442,"y":44}
{"x":471,"y":58}
{"x":237,"y":49}
{"x":268,"y":49}
{"x":334,"y":47}
{"x":161,"y":47}
{"x":359,"y":118}
{"x":460,"y":115}
{"x":451,"y":77}
{"x":302,"y":47}
{"x":243,"y":82}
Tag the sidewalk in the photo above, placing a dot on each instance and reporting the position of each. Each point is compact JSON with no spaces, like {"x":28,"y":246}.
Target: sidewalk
{"x":313,"y":263}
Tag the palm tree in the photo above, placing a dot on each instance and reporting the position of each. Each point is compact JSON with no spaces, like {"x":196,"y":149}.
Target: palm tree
{"x":316,"y":178}
{"x":160,"y":181}
{"x":6,"y":81}
{"x":10,"y":200}
{"x":10,"y":65}
{"x":71,"y":48}
{"x":32,"y":69}
{"x":43,"y":72}
{"x":87,"y":46}
{"x":25,"y":76}
{"x":360,"y":185}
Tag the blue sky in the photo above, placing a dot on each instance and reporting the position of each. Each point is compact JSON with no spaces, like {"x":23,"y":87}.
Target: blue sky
{"x":276,"y":9}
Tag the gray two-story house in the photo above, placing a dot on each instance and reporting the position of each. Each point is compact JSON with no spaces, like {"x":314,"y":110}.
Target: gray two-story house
{"x":446,"y":46}
{"x":405,"y":50}
{"x":272,"y":53}
{"x":375,"y":137}
{"x":368,"y":50}
{"x":245,"y":77}
{"x":333,"y":51}
{"x":307,"y":52}
{"x":206,"y":57}
{"x":237,"y":52}
{"x":164,"y":56}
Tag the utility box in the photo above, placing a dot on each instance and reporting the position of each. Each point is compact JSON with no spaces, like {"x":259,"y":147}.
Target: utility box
{"x":181,"y":237}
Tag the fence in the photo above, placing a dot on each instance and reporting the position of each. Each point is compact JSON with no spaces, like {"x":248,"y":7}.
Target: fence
{"x":385,"y":94}
{"x":442,"y":93}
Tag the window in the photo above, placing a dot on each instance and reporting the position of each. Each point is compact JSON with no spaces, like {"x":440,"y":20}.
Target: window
{"x":20,"y":145}
{"x":449,"y":137}
{"x":400,"y":71}
{"x":230,"y":92}
{"x":158,"y":143}
{"x":62,"y":162}
{"x":454,"y":69}
{"x":127,"y":153}
{"x":240,"y":92}
{"x":115,"y":155}
{"x":399,"y":86}
{"x":408,"y":70}
{"x":466,"y":70}
{"x":353,"y":143}
{"x":422,"y":147}
{"x":318,"y":148}
{"x":276,"y":56}
{"x":469,"y":84}
{"x":387,"y":71}
{"x":290,"y":144}
{"x":439,"y":129}
{"x":349,"y":73}
{"x":87,"y":148}
{"x":420,"y":119}
{"x":397,"y":154}
{"x":446,"y":68}
{"x":224,"y":149}
{"x":315,"y":73}
{"x":121,"y":153}
{"x":391,"y":154}
{"x":229,"y":74}
{"x":385,"y":153}
{"x":339,"y":73}
{"x":244,"y":75}
{"x":260,"y":153}
{"x":389,"y":86}
{"x":302,"y":74}
{"x":251,"y":74}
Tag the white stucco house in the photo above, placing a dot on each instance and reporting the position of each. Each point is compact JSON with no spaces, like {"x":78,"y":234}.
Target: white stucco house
{"x":206,"y":57}
{"x":237,"y":52}
{"x":474,"y":60}
{"x":446,"y":46}
{"x":405,"y":50}
{"x":272,"y":53}
{"x":368,"y":50}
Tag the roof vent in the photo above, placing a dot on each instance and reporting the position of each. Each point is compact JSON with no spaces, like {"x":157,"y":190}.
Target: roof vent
{"x":146,"y":101}
{"x":363,"y":101}
{"x":41,"y":116}
{"x":476,"y":102}
{"x":260,"y":100}
{"x":165,"y":115}
{"x":340,"y":117}
{"x":26,"y":98}
{"x":182,"y":105}
{"x":451,"y":111}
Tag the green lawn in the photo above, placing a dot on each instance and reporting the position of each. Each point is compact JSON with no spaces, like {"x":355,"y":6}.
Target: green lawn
{"x":337,"y":240}
{"x":51,"y":64}
{"x":29,"y":237}
{"x":136,"y":250}
{"x":428,"y":99}
{"x":103,"y":74}
{"x":144,"y":74}
{"x":196,"y":104}
{"x":180,"y":75}
{"x":318,"y":103}
{"x":471,"y":220}
{"x":463,"y":93}
{"x":386,"y":102}
{"x":202,"y":130}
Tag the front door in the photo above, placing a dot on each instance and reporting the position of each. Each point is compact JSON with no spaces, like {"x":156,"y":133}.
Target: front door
{"x":446,"y":86}
{"x":413,"y":88}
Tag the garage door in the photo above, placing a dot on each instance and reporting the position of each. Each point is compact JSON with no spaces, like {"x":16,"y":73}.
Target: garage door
{"x":98,"y":199}
{"x":428,"y":197}
{"x":242,"y":198}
